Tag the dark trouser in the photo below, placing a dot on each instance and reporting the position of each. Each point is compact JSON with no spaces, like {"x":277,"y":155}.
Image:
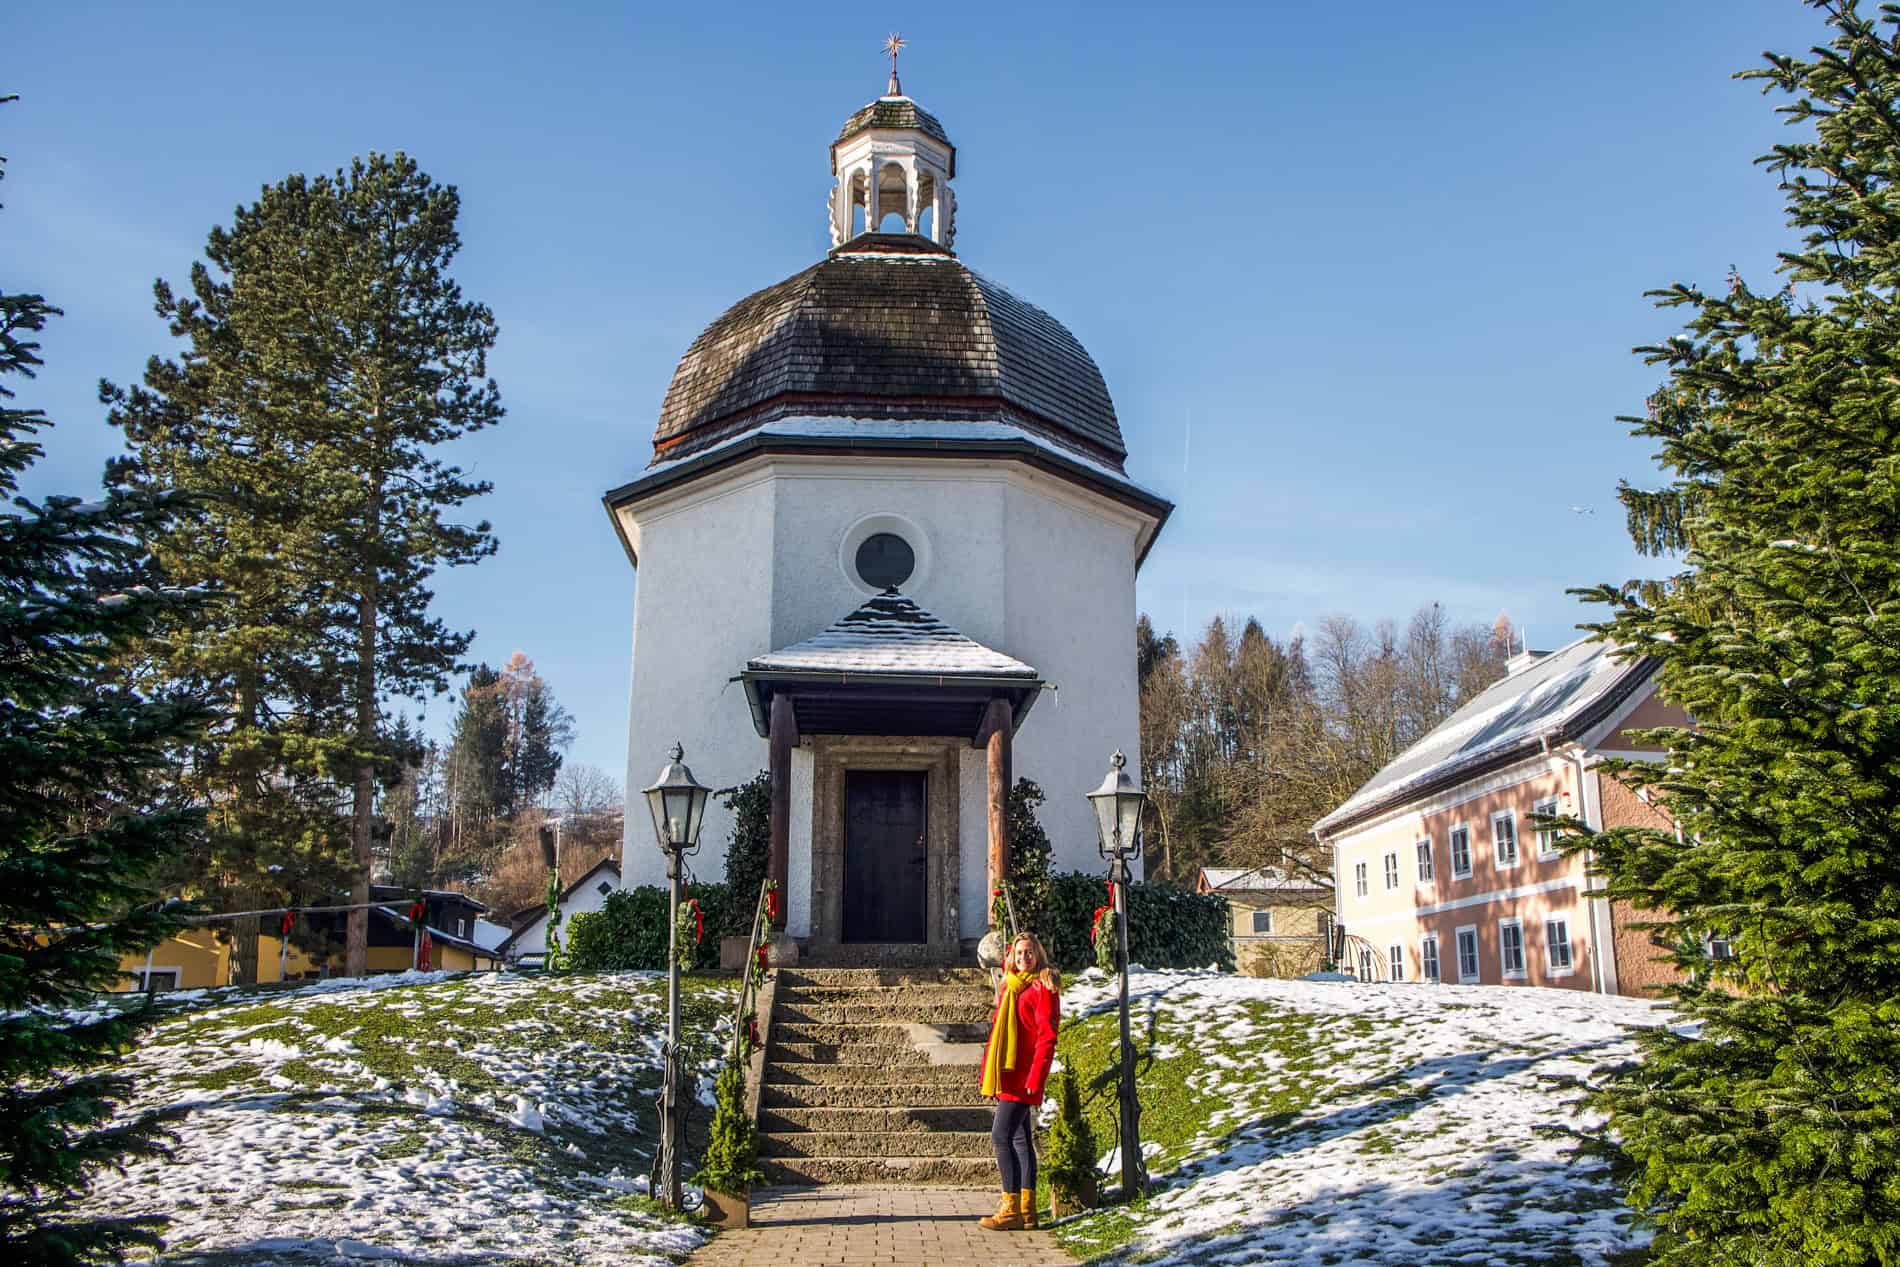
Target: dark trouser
{"x":1014,"y":1135}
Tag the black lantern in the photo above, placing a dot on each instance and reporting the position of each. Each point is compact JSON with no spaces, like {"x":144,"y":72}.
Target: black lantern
{"x":1117,"y":804}
{"x":678,"y":805}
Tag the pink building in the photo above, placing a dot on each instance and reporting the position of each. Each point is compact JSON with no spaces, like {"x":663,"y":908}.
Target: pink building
{"x":1439,"y":871}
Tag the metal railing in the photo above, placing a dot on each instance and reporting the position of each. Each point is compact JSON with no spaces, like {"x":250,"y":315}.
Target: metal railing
{"x":749,"y":983}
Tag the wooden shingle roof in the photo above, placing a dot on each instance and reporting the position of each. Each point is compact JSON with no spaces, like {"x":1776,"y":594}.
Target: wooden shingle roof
{"x":889,"y":325}
{"x":893,"y":112}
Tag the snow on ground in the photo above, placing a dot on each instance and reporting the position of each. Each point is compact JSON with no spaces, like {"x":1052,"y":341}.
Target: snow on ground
{"x":1297,"y":1122}
{"x":436,"y":1118}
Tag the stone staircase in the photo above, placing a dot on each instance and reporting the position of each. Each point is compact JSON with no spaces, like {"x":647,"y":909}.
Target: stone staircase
{"x":871,"y":1077}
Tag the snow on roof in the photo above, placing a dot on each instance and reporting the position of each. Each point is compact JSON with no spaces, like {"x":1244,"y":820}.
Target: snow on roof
{"x":1258,"y":880}
{"x":1544,"y":700}
{"x":892,"y":635}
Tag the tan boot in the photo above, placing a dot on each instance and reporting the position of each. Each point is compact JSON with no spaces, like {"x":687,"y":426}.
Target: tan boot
{"x":1027,"y":1208}
{"x":1008,"y":1216}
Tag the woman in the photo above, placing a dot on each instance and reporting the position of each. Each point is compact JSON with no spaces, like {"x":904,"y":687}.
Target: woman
{"x":1016,"y":1064}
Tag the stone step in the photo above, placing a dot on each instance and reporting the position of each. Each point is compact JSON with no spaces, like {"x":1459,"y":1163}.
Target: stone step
{"x":840,"y":1074}
{"x":874,"y":978}
{"x":878,"y":1011}
{"x":875,"y":1144}
{"x":962,"y":1172}
{"x":803,"y":1053}
{"x":950,"y":994}
{"x":779,"y":1096}
{"x":857,"y":1121}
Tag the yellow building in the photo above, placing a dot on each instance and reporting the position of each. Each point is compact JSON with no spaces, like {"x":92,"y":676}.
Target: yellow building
{"x":1280,"y":923}
{"x":199,"y":958}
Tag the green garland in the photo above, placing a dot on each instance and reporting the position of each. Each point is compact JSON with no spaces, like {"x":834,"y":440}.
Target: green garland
{"x":686,"y":934}
{"x":555,"y":959}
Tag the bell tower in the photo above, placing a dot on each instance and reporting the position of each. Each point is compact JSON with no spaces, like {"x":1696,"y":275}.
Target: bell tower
{"x":892,"y":157}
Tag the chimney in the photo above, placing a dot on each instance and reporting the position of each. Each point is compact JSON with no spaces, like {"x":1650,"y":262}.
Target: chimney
{"x":1522,"y":660}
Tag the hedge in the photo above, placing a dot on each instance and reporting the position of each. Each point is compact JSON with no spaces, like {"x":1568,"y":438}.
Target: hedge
{"x":628,"y":931}
{"x":1167,"y":927}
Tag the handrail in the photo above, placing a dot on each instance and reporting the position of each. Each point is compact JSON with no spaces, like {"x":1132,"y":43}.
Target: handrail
{"x":747,"y":985}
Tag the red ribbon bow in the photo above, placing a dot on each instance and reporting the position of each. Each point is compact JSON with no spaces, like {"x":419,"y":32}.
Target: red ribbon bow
{"x":771,"y":904}
{"x":699,"y":924}
{"x":418,"y":911}
{"x":283,"y":925}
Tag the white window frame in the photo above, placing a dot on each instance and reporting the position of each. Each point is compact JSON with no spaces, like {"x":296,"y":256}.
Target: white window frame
{"x":1477,"y":954}
{"x":1391,"y":870}
{"x":1523,"y":972}
{"x":1360,"y":884}
{"x":1714,"y":947}
{"x":1560,"y":924}
{"x":1546,"y":837}
{"x":166,"y":977}
{"x":1366,"y":961}
{"x":1395,"y":959}
{"x":1451,"y":844}
{"x":1427,"y":865}
{"x":1258,"y":918}
{"x":1429,"y":967}
{"x":1517,"y":848}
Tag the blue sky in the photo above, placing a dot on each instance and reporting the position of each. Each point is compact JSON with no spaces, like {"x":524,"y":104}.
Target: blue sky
{"x":1386,"y":267}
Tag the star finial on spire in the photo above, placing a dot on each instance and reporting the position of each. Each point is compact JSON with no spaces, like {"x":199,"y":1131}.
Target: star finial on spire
{"x":894,"y":45}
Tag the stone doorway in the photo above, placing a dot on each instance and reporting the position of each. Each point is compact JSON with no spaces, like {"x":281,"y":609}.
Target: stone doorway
{"x":886,"y":879}
{"x":914,"y":775}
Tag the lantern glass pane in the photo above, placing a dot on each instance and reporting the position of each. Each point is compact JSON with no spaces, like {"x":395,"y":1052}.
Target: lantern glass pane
{"x":700,"y":797}
{"x":657,"y":808}
{"x":1104,"y":806}
{"x":679,"y":809}
{"x":1130,"y":806}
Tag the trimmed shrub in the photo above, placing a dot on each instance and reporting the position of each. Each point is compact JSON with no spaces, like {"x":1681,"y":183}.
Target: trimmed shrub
{"x":748,"y":853}
{"x":732,"y":1148}
{"x":1069,"y":1159}
{"x":1167,"y":927}
{"x":1029,"y":876}
{"x":628,"y":931}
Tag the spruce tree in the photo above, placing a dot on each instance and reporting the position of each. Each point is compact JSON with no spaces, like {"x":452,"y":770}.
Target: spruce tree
{"x":85,"y":760}
{"x":330,"y":356}
{"x":1764,"y":1127}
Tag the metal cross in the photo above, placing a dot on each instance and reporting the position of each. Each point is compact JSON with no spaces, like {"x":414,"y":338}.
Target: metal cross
{"x":894,"y":45}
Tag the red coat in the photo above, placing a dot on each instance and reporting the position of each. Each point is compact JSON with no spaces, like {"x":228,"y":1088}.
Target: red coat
{"x":1039,"y":1012}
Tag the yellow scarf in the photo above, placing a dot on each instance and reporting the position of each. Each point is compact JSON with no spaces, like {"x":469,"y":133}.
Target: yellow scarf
{"x":1005,"y":1031}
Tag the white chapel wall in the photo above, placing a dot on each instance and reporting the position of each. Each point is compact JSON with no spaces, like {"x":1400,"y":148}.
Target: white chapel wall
{"x":702,"y":607}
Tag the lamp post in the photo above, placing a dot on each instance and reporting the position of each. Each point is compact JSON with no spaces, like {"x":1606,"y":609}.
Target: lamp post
{"x":1117,"y":804}
{"x":678,"y":805}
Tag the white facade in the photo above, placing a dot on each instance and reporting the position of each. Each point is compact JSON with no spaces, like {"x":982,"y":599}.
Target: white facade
{"x":588,"y":894}
{"x":756,"y":557}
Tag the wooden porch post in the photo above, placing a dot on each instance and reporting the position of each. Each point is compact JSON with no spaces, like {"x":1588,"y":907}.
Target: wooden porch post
{"x":784,"y":737}
{"x":997,"y":727}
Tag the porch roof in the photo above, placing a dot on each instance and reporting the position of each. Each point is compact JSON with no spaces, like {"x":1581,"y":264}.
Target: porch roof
{"x":889,"y":668}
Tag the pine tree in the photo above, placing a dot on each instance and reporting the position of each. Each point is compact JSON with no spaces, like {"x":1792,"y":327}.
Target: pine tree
{"x":731,"y":1163}
{"x":1069,"y":1164}
{"x":330,"y":357}
{"x":1764,"y":1127}
{"x":85,"y":760}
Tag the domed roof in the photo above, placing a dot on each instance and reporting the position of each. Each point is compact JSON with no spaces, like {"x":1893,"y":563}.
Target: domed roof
{"x":888,"y":326}
{"x":893,"y":112}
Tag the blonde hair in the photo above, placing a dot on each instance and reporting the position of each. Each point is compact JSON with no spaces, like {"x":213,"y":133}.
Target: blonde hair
{"x":1047,"y":973}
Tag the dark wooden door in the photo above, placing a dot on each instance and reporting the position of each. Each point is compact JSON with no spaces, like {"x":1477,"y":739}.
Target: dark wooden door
{"x":884,"y":884}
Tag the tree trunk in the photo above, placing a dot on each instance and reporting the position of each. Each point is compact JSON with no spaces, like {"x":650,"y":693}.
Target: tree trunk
{"x":244,"y":932}
{"x":356,"y":953}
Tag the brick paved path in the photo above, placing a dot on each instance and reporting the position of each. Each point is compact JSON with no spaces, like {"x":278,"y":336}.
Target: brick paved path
{"x":862,"y":1226}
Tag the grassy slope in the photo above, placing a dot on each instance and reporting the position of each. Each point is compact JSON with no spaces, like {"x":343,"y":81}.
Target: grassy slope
{"x":493,"y":1119}
{"x":1297,"y":1123}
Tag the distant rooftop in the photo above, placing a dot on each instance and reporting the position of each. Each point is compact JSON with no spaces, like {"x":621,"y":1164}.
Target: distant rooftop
{"x":1555,"y":696}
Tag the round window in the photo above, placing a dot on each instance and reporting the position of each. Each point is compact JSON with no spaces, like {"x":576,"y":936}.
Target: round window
{"x":885,"y":559}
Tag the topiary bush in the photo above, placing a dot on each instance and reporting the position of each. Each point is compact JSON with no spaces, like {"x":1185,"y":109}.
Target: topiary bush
{"x":628,"y":931}
{"x":1068,"y":1161}
{"x":748,"y":853}
{"x":731,"y":1163}
{"x":1167,"y":927}
{"x":1029,"y":876}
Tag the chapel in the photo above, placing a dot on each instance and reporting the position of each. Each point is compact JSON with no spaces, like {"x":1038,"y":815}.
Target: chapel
{"x":885,"y":550}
